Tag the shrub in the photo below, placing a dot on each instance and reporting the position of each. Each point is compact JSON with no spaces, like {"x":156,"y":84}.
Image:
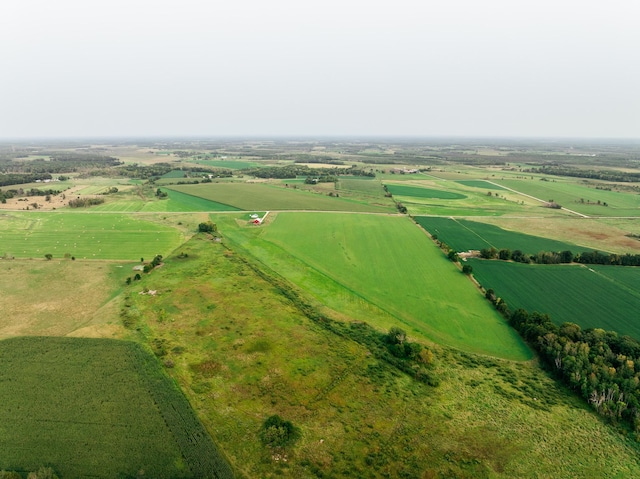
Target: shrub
{"x":276,"y":432}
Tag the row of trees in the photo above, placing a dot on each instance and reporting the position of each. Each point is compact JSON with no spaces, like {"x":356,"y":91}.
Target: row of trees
{"x":559,"y":257}
{"x":85,"y":202}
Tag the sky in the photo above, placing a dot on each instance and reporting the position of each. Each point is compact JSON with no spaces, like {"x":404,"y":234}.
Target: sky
{"x":498,"y":68}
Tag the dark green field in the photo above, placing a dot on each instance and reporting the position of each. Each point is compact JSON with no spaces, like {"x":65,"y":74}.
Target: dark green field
{"x":418,"y":192}
{"x":590,"y":297}
{"x":97,"y":408}
{"x":480,"y":184}
{"x":465,"y":235}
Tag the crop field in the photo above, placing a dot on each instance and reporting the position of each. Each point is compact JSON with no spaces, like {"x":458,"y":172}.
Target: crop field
{"x":388,"y":262}
{"x":571,"y":195}
{"x":97,"y":408}
{"x":465,"y":235}
{"x":590,"y":297}
{"x":260,"y":196}
{"x":480,"y":184}
{"x":419,"y":192}
{"x":84,"y":236}
{"x":371,"y":187}
{"x":174,"y":174}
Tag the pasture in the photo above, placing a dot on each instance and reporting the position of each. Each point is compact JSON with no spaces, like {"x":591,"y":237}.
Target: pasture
{"x":263,"y":196}
{"x":85,"y":236}
{"x":387,"y":262}
{"x":60,"y":298}
{"x":97,"y":408}
{"x":480,"y":184}
{"x":464,"y":235}
{"x":590,"y":297}
{"x":243,"y":351}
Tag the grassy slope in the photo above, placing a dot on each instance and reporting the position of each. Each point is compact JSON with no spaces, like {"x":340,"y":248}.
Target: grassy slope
{"x":419,"y":192}
{"x":390,"y":263}
{"x":90,"y":408}
{"x":242,"y":352}
{"x":85,"y":236}
{"x":566,"y":292}
{"x":260,"y":196}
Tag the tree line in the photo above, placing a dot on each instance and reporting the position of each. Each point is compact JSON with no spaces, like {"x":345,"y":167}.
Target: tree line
{"x":561,"y":257}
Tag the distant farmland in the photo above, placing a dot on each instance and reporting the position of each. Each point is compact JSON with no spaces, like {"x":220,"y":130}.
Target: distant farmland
{"x":388,"y":262}
{"x":260,"y":196}
{"x":419,"y":192}
{"x":97,"y":408}
{"x":84,"y":236}
{"x":464,"y":235}
{"x":601,"y":297}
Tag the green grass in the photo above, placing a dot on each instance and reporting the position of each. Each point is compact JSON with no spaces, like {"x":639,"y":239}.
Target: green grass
{"x":419,"y":192}
{"x":464,"y":235}
{"x":96,"y":408}
{"x":260,"y":196}
{"x":592,"y":298}
{"x":569,"y":194}
{"x":244,"y":352}
{"x":85,"y":236}
{"x":174,"y":203}
{"x":386,"y":262}
{"x":368,"y":186}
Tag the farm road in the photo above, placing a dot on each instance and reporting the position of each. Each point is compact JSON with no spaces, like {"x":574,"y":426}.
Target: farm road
{"x":534,"y":198}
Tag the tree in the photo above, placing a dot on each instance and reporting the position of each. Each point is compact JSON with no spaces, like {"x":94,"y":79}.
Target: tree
{"x":48,"y":256}
{"x":396,"y":336}
{"x":453,"y":256}
{"x":504,"y":254}
{"x":467,"y":269}
{"x":276,"y":432}
{"x":207,"y":227}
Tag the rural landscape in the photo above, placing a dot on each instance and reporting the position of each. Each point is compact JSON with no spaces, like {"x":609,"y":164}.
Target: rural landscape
{"x":319,"y":308}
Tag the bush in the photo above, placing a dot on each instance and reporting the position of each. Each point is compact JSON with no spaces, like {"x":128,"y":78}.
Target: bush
{"x":276,"y":432}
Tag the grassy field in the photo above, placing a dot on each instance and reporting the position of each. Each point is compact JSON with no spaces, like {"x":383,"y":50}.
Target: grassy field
{"x":261,"y":196}
{"x":243,"y":352}
{"x":386,"y":262}
{"x":59,"y":298}
{"x":569,"y":194}
{"x":97,"y":408}
{"x":464,"y":235}
{"x":174,"y":203}
{"x":419,"y":192}
{"x":480,"y":184}
{"x":590,"y":297}
{"x":85,"y":236}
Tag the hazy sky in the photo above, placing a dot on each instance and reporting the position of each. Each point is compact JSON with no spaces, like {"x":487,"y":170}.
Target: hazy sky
{"x":558,"y":68}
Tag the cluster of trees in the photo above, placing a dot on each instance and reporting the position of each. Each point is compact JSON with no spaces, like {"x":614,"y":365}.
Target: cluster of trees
{"x":85,"y":202}
{"x":207,"y":227}
{"x":155,"y":262}
{"x":605,"y":175}
{"x":295,"y":170}
{"x":7,"y":179}
{"x":112,"y":190}
{"x":161,"y":194}
{"x":277,"y":432}
{"x":595,"y":257}
{"x":312,"y":180}
{"x":602,"y":366}
{"x":42,"y":473}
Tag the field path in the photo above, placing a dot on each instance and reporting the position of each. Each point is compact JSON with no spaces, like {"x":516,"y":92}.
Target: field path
{"x":534,"y":198}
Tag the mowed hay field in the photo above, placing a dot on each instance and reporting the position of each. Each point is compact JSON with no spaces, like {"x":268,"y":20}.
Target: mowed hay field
{"x":262,"y":196}
{"x":97,"y":408}
{"x":465,"y":235}
{"x":243,"y":352}
{"x":175,"y":202}
{"x":59,"y":298}
{"x":85,"y":236}
{"x":388,"y":262}
{"x":600,"y":297}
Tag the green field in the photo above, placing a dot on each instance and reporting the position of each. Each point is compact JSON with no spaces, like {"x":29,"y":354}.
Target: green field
{"x":569,"y":194}
{"x":174,"y":203}
{"x":260,"y":196}
{"x":419,"y":192}
{"x":480,"y":184}
{"x":84,"y":236}
{"x":465,"y":235}
{"x":591,"y":297}
{"x":387,"y":262}
{"x":97,"y":408}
